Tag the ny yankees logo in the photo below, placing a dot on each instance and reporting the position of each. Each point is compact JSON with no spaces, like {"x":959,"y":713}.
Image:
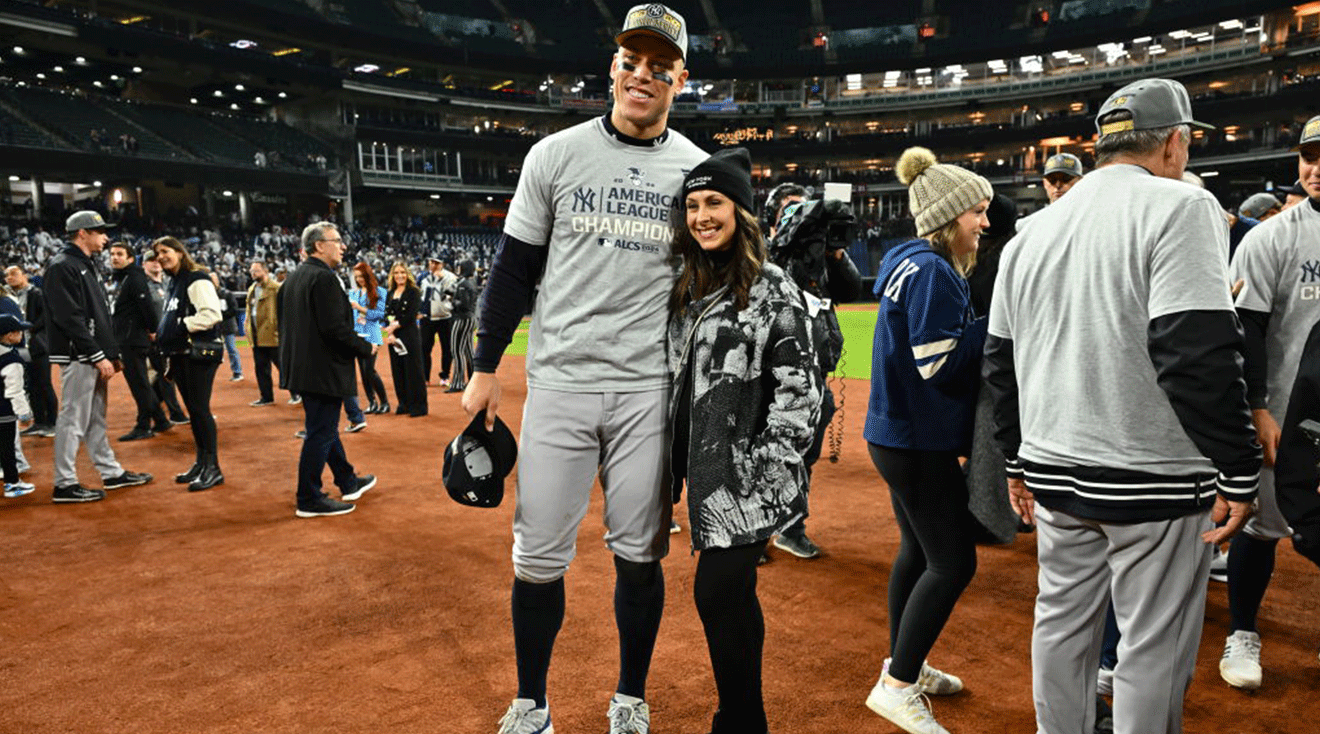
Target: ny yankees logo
{"x":584,"y":200}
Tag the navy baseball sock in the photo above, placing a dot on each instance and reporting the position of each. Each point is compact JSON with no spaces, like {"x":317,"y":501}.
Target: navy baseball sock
{"x":1250,"y":566}
{"x":639,"y":601}
{"x":538,"y":613}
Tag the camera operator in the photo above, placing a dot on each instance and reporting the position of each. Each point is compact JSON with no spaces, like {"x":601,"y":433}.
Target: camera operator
{"x":812,"y":250}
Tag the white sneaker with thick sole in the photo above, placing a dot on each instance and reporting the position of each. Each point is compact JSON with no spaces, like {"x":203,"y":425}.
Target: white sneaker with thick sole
{"x":932,"y":681}
{"x":906,"y":708}
{"x":1240,"y":666}
{"x":523,"y":717}
{"x":629,"y":715}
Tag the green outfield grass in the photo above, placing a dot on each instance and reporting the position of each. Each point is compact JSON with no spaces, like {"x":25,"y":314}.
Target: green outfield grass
{"x":857,"y":322}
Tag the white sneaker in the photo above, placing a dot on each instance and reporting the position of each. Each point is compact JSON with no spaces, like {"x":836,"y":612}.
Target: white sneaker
{"x":524,"y":718}
{"x":932,"y":681}
{"x":1219,"y":565}
{"x":629,"y":715}
{"x":1104,"y":682}
{"x":906,"y":708}
{"x":1240,"y":666}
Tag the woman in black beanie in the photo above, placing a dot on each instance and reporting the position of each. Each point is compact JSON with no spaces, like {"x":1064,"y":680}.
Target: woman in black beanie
{"x":746,"y":402}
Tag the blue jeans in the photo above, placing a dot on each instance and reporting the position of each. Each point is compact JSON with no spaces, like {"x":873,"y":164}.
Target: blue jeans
{"x":354,"y":413}
{"x":235,"y":364}
{"x":321,"y":447}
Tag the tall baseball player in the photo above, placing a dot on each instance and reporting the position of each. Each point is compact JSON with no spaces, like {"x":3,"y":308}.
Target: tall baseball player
{"x":1279,"y":262}
{"x":1128,"y":322}
{"x":592,"y":220}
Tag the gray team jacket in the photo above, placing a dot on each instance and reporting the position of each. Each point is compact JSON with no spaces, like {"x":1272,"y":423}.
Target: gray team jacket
{"x":756,"y":395}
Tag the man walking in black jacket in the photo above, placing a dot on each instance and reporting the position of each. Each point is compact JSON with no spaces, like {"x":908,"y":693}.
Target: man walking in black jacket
{"x":135,"y":319}
{"x":318,"y":351}
{"x":82,"y":343}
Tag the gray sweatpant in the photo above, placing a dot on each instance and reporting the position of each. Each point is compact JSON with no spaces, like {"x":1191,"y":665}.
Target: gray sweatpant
{"x":566,"y":439}
{"x":81,"y":420}
{"x":1156,"y":573}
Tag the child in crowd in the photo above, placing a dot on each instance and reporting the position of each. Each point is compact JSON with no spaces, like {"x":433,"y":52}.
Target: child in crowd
{"x":14,"y":404}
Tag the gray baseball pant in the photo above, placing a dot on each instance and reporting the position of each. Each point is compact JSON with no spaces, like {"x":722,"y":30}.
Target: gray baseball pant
{"x":566,"y":439}
{"x":81,"y":420}
{"x":1156,"y":573}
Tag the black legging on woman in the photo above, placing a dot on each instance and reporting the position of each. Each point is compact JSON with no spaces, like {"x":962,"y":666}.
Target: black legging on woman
{"x":194,"y":380}
{"x":937,"y":553}
{"x":725,"y":592}
{"x":372,"y":385}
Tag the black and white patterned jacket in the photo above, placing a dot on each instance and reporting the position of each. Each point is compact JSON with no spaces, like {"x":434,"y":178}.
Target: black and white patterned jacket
{"x":756,"y":398}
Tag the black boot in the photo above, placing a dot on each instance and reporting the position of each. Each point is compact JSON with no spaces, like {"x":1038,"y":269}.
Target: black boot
{"x":372,"y":408}
{"x":209,"y":476}
{"x":192,"y":472}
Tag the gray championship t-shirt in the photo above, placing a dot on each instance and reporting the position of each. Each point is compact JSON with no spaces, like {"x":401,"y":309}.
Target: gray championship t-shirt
{"x":608,"y":211}
{"x":1076,"y":291}
{"x":1279,"y":260}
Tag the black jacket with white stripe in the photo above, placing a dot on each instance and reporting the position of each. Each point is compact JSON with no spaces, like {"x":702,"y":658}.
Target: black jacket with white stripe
{"x":1197,"y":356}
{"x":78,"y":315}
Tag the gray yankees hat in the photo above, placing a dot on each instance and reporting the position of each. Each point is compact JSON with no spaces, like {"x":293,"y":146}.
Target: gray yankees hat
{"x":1153,"y":103}
{"x":1064,"y":163}
{"x":1258,"y":204}
{"x":85,"y":220}
{"x":660,"y":21}
{"x":1310,"y":133}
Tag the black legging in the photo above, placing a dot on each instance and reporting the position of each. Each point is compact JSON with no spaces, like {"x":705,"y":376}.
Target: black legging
{"x":937,"y":553}
{"x":8,"y":456}
{"x":195,"y":379}
{"x":725,"y":592}
{"x":372,"y":385}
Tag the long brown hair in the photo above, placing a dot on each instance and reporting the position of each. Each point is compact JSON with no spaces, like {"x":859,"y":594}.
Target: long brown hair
{"x":186,"y":263}
{"x":369,"y":282}
{"x":700,"y":276}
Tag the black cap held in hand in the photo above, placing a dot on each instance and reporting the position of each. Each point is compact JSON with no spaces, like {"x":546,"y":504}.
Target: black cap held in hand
{"x":729,"y":172}
{"x":477,"y":461}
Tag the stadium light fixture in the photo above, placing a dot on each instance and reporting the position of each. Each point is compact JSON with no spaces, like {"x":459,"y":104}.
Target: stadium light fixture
{"x":286,"y":51}
{"x":14,"y":179}
{"x":97,"y":184}
{"x":1209,"y":174}
{"x":283,"y":95}
{"x":40,"y":75}
{"x":98,"y":84}
{"x":58,"y":68}
{"x":1143,"y":39}
{"x":435,"y":196}
{"x":259,"y":100}
{"x":80,"y":61}
{"x":233,"y":106}
{"x":1179,"y":34}
{"x":137,"y":69}
{"x":114,"y":77}
{"x":20,"y":51}
{"x":228,"y":193}
{"x":217,"y":93}
{"x":240,"y":88}
{"x":1032,"y":64}
{"x":1230,"y":25}
{"x":193,"y":100}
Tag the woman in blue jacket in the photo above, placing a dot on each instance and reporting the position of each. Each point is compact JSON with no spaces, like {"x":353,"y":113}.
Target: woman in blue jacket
{"x":368,"y":301}
{"x":924,"y":378}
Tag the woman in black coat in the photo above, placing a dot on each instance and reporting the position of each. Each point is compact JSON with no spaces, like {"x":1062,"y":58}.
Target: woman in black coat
{"x":404,"y":340}
{"x":192,"y":314}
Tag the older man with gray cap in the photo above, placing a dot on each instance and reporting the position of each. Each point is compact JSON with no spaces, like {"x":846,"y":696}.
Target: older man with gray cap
{"x":1278,"y":306}
{"x":1129,"y":322}
{"x":592,"y":221}
{"x":82,"y":343}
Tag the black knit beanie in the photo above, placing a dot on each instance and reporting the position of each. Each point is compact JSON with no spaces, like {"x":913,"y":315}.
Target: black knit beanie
{"x":729,"y":172}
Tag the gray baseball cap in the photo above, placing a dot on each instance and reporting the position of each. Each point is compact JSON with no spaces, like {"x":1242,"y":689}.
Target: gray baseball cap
{"x":1064,"y":163}
{"x":85,"y":220}
{"x":660,"y":21}
{"x":1257,"y":204}
{"x":1153,"y":103}
{"x":1310,"y":133}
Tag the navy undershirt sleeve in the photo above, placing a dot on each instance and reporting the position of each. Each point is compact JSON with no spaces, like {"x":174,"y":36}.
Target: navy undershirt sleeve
{"x":506,"y":298}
